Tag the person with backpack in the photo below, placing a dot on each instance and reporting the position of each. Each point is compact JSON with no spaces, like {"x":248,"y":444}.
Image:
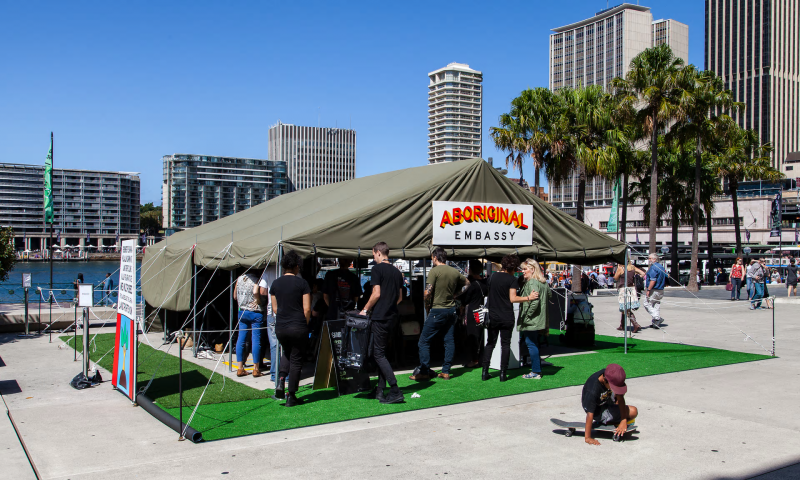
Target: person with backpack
{"x":759,"y":276}
{"x":473,"y":299}
{"x":533,"y":314}
{"x":655,"y":280}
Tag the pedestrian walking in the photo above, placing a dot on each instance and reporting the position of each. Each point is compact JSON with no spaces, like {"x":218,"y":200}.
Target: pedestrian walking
{"x":655,"y":280}
{"x":757,"y":281}
{"x":791,"y":278}
{"x":108,"y":289}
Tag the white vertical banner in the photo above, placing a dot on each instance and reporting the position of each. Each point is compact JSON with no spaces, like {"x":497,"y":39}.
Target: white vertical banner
{"x":126,"y":298}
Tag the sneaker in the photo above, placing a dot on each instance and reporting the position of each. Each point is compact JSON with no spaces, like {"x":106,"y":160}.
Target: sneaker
{"x":752,"y":307}
{"x":393,"y":398}
{"x":532,"y":376}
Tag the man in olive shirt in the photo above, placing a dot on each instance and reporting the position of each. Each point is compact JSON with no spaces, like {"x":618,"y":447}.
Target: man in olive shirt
{"x":443,"y":285}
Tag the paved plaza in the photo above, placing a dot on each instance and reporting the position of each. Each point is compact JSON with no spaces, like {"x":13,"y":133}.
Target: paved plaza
{"x":733,"y":421}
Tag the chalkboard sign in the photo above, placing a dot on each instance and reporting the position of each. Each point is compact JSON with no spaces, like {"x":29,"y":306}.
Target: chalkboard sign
{"x":329,"y":369}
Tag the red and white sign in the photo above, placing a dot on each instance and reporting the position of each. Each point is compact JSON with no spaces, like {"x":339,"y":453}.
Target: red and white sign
{"x":484,"y":224}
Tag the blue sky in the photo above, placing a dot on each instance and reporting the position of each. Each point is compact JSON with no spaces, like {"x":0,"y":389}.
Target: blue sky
{"x":123,"y":83}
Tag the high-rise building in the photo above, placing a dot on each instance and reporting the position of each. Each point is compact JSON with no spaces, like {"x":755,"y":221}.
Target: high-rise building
{"x":455,"y":113}
{"x":90,"y":207}
{"x":593,"y":52}
{"x":199,"y":189}
{"x":314,"y":156}
{"x":754,"y":46}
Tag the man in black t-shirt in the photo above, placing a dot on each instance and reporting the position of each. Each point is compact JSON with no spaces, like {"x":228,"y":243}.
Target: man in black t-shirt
{"x":341,"y":289}
{"x":603,"y":400}
{"x":387,"y":283}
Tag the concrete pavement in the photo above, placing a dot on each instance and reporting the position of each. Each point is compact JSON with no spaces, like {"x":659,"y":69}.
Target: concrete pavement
{"x":725,"y":422}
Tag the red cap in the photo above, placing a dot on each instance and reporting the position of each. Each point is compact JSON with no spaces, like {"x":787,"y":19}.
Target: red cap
{"x":616,"y":379}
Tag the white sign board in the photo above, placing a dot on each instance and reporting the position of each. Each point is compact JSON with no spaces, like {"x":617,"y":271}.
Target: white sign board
{"x":85,"y":293}
{"x":26,"y":280}
{"x":484,"y":224}
{"x":126,"y":298}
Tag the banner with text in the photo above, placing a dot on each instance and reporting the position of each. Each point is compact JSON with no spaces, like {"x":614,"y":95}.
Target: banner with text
{"x":485,"y":224}
{"x":123,"y":377}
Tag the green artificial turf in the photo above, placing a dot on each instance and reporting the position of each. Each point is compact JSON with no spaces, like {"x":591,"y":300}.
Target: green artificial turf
{"x":240,"y":410}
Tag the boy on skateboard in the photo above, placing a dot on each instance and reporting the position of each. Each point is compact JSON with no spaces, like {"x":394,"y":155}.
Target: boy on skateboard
{"x":604,"y":402}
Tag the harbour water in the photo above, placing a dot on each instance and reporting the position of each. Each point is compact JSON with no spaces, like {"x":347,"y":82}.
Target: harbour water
{"x":64,"y":273}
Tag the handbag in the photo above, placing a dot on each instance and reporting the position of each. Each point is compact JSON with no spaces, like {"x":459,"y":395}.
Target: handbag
{"x":638,"y":282}
{"x":354,"y":319}
{"x":729,"y":287}
{"x":481,"y":314}
{"x":628,"y":299}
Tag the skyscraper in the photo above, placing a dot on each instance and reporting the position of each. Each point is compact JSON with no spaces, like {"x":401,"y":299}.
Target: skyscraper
{"x":753,"y":45}
{"x":455,"y":113}
{"x":314,"y":156}
{"x":593,"y":52}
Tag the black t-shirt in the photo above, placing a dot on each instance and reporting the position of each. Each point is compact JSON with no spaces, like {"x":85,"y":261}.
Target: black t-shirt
{"x":342,"y":288}
{"x":501,"y":312}
{"x":596,"y":397}
{"x":289,"y":291}
{"x":389,"y":278}
{"x":791,"y":275}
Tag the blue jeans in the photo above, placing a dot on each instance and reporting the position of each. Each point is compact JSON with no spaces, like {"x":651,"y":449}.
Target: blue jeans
{"x":249,"y":321}
{"x":531,"y":338}
{"x":736,"y":283}
{"x":107,"y":298}
{"x":749,"y":288}
{"x":439,"y":320}
{"x":273,"y":347}
{"x":758,"y":294}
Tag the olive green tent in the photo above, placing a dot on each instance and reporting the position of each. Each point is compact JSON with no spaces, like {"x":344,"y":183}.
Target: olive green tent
{"x":347,"y":218}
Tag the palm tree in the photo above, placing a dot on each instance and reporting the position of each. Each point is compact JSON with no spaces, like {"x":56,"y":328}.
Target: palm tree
{"x":739,"y":156}
{"x":511,"y":137}
{"x":653,"y":86}
{"x":702,"y":97}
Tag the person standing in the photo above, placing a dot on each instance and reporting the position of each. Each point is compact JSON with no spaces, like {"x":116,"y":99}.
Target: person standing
{"x":737,"y":276}
{"x":473,"y":299}
{"x":444,"y":284}
{"x":108,"y":289}
{"x":387,"y":285}
{"x":341,"y":289}
{"x":655,"y":280}
{"x":533,"y":314}
{"x":791,"y":278}
{"x":247,"y":294}
{"x":291,"y":299}
{"x":267,"y":277}
{"x":502,"y":294}
{"x":628,"y":293}
{"x":749,"y":277}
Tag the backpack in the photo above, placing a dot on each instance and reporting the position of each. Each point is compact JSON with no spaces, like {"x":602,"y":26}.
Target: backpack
{"x":638,"y":282}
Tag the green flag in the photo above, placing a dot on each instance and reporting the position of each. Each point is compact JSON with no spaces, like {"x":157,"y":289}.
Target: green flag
{"x":613,"y":221}
{"x":48,"y":185}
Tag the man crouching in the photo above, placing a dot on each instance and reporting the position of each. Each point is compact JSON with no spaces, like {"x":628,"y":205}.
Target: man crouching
{"x":604,"y":402}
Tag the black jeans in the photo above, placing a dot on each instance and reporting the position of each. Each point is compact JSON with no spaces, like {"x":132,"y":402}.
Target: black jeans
{"x":505,"y":345}
{"x":381,"y":331}
{"x":294,"y":344}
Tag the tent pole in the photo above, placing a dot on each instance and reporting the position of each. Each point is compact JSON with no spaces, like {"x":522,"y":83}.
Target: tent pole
{"x":194,"y":308}
{"x":627,"y":302}
{"x":279,"y":353}
{"x":230,"y":327}
{"x":424,"y":284}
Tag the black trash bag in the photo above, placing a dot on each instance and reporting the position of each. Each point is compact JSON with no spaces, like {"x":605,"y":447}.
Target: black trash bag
{"x":97,"y":379}
{"x":80,"y":382}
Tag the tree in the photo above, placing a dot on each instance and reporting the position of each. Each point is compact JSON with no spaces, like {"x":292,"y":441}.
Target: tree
{"x":703,"y":96}
{"x":7,"y":255}
{"x":150,"y":217}
{"x":740,"y":156}
{"x":652,"y":85}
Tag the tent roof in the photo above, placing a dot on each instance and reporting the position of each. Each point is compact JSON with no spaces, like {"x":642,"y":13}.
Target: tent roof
{"x":347,"y":218}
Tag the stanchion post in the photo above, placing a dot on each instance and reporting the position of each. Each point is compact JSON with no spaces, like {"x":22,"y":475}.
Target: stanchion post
{"x":627,"y":302}
{"x":39,"y":331}
{"x":773,"y":326}
{"x":194,"y":306}
{"x":85,"y":314}
{"x":27,"y":328}
{"x":180,"y":383}
{"x":50,"y":301}
{"x":75,"y":336}
{"x":230,"y":325}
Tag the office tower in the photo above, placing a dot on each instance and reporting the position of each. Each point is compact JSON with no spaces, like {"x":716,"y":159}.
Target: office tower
{"x":753,"y":45}
{"x":199,"y":189}
{"x":593,"y":52}
{"x":455,"y":113}
{"x":314,"y":156}
{"x":100,"y":204}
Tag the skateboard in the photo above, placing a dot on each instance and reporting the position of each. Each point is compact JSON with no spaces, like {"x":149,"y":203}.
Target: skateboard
{"x":572,"y":426}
